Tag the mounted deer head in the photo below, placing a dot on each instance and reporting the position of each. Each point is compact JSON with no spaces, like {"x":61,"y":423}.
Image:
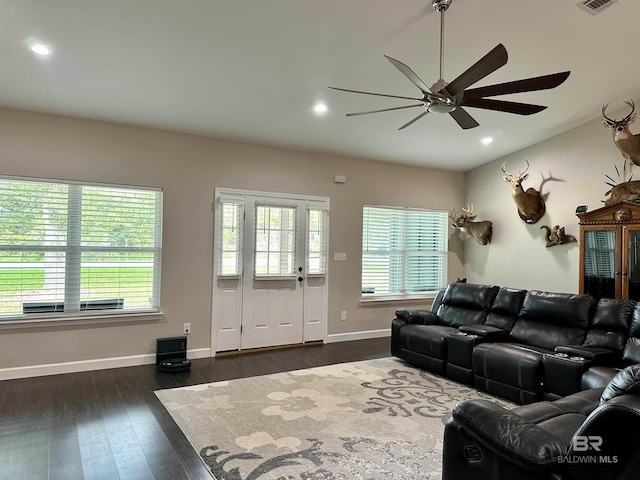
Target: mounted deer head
{"x":627,"y":142}
{"x":529,"y":202}
{"x":480,"y":231}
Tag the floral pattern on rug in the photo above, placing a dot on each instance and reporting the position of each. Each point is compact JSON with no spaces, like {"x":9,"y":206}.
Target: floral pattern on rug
{"x":376,"y":419}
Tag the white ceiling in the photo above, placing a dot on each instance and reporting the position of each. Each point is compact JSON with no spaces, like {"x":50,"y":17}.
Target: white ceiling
{"x":251,"y":70}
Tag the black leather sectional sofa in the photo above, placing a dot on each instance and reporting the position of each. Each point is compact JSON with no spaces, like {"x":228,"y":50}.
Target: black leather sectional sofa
{"x":589,"y":435}
{"x":572,"y":360}
{"x":521,"y":345}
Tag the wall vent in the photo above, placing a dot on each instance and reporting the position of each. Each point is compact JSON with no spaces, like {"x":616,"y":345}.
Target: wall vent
{"x":594,"y":7}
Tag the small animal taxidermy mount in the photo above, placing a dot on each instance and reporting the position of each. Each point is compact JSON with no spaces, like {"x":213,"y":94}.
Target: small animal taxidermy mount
{"x":529,"y":202}
{"x":627,"y":142}
{"x":556,"y":236}
{"x":480,"y":231}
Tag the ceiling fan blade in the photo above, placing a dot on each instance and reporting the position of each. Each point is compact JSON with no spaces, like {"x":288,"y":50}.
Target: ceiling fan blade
{"x":413,"y":121}
{"x":462,"y":117}
{"x":410,"y":74}
{"x":377,"y":94}
{"x":492,"y":61}
{"x":502,"y":106}
{"x":384,"y":110}
{"x":526,"y":85}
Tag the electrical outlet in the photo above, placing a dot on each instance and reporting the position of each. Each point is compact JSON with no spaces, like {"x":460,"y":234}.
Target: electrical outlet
{"x":344,"y":315}
{"x":186,"y":329}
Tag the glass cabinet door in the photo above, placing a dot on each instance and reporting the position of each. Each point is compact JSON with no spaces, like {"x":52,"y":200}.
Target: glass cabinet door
{"x":600,"y":266}
{"x":631,"y":266}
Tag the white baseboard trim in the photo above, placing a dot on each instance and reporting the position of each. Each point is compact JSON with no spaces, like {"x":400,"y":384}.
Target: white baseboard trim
{"x":346,"y":337}
{"x":90,"y":365}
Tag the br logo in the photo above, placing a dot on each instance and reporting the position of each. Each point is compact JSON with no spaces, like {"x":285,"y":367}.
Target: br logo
{"x":583,"y":443}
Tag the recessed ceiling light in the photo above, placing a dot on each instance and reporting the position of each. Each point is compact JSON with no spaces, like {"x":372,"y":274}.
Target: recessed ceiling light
{"x":487,"y":140}
{"x":40,"y":48}
{"x":320,"y":108}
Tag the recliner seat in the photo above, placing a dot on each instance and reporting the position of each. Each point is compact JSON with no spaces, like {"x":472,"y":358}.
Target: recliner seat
{"x":584,"y":436}
{"x":419,"y":336}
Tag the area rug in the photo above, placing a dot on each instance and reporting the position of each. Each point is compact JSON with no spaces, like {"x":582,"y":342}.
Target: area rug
{"x":374,"y":419}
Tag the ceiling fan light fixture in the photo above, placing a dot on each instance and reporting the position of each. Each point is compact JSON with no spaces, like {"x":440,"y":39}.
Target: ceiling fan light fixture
{"x":440,"y":108}
{"x":439,"y":105}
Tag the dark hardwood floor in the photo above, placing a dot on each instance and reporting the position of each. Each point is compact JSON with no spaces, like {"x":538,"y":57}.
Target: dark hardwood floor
{"x":108,"y":424}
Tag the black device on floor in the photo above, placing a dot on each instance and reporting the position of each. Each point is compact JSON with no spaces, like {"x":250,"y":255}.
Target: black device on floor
{"x":171,"y":354}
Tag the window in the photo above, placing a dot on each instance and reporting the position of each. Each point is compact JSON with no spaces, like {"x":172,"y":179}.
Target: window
{"x":275,"y":237}
{"x":404,"y":252}
{"x":230,"y":250}
{"x":67,"y":247}
{"x":275,"y":253}
{"x":317,"y":241}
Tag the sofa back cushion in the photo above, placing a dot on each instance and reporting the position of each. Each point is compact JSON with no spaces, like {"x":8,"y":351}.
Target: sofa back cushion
{"x":466,"y":304}
{"x":631,"y":352}
{"x":550,"y":319}
{"x":505,"y":308}
{"x":610,"y":325}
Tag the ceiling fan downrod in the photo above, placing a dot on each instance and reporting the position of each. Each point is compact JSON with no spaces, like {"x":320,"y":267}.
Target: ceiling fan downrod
{"x":441,"y":6}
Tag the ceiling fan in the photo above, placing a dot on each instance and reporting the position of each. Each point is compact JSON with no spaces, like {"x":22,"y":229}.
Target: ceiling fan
{"x":443,"y":97}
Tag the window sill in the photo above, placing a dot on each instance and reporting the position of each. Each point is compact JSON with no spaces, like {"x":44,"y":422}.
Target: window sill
{"x":73,"y":320}
{"x":396,"y":300}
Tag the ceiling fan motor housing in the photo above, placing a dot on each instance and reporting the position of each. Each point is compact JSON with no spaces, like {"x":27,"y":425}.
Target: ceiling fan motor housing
{"x":441,"y":5}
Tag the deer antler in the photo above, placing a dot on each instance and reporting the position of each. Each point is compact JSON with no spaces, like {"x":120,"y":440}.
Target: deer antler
{"x":504,"y":170}
{"x":633,"y":109}
{"x":604,"y":108}
{"x":520,"y":174}
{"x":469,"y":209}
{"x":629,"y":102}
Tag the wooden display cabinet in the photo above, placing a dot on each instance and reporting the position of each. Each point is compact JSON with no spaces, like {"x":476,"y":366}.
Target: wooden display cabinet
{"x":610,"y":251}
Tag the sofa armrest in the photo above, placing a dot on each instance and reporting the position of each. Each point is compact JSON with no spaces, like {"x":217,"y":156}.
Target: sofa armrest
{"x":508,"y":435}
{"x":419,"y":316}
{"x":600,"y":356}
{"x":405,"y":316}
{"x":488,"y":332}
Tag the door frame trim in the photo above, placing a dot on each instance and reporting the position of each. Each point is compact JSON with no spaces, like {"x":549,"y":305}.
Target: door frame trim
{"x":241,"y":193}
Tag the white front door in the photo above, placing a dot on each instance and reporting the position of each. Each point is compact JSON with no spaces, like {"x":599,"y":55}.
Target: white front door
{"x":273,"y":283}
{"x":270,"y":261}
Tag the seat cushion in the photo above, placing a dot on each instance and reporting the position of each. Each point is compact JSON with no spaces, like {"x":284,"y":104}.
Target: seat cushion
{"x":429,"y":340}
{"x":510,"y":364}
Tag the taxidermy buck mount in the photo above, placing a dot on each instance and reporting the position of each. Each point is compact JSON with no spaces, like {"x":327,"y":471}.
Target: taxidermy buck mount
{"x":530,"y":203}
{"x":627,"y":142}
{"x":480,"y":231}
{"x":443,"y":97}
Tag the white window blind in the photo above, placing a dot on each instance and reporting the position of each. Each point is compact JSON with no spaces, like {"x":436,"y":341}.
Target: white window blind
{"x":599,"y":257}
{"x":231,"y":235}
{"x":67,"y":247}
{"x":275,"y":242}
{"x":404,"y":251}
{"x":318,"y":241}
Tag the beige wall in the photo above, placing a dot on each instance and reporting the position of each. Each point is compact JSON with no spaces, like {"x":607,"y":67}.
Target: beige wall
{"x":188,"y":168}
{"x":517,"y":256}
